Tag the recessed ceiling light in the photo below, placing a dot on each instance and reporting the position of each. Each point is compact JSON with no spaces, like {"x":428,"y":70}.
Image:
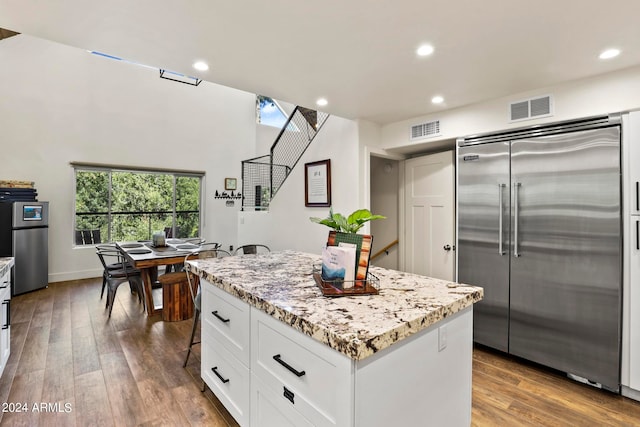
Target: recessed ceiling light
{"x":609,"y":53}
{"x":321,"y":102}
{"x":424,"y":50}
{"x":437,"y":99}
{"x":200,"y":66}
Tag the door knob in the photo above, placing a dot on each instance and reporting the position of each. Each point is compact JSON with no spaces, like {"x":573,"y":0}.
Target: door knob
{"x":447,"y":247}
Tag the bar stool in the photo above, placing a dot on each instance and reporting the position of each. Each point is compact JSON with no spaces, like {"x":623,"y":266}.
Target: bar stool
{"x":196,"y":293}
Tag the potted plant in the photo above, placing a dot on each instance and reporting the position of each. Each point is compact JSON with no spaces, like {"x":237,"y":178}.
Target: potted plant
{"x":350,"y":224}
{"x":345,"y":231}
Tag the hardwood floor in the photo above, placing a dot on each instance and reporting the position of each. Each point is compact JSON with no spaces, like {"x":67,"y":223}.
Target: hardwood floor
{"x":92,"y":370}
{"x":511,"y":392}
{"x":127,"y":370}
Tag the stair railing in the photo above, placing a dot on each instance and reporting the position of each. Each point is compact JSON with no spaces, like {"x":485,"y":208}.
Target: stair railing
{"x":263,"y":176}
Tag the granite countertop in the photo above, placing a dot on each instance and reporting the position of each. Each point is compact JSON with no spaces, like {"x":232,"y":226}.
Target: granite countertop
{"x":281,"y":284}
{"x":5,"y":264}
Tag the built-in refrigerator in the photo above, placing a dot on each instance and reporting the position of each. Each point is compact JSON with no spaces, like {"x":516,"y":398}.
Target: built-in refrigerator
{"x":24,"y":228}
{"x":539,"y":228}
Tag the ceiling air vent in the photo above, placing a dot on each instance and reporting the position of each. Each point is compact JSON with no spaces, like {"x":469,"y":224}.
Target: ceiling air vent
{"x":425,"y":130}
{"x":531,"y":108}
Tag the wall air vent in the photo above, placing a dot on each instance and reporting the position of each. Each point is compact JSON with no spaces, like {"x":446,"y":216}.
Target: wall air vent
{"x":532,"y":108}
{"x":425,"y":130}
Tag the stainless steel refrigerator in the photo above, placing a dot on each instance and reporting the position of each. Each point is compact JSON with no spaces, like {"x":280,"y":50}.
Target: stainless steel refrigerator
{"x":539,"y":228}
{"x":24,"y":228}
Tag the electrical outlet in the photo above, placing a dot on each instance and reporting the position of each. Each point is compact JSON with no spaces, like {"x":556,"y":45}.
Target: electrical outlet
{"x":442,"y":337}
{"x":230,"y":248}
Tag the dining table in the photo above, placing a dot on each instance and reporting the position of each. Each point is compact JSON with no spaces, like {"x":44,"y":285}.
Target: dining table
{"x":147,"y":258}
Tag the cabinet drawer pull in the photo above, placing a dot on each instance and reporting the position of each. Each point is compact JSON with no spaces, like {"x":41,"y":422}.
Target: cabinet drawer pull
{"x":222,"y":319}
{"x":215,"y":371}
{"x":286,"y":365}
{"x":8,"y":303}
{"x":289,"y":395}
{"x":6,"y":284}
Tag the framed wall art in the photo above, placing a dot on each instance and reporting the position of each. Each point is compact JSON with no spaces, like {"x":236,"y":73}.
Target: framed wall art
{"x":230,"y":184}
{"x":317,"y":184}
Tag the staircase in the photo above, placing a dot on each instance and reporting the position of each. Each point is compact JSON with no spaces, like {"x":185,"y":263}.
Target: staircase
{"x":5,"y":34}
{"x":263,"y":176}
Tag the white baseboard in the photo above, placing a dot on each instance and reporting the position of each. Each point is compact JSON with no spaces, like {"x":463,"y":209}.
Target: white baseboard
{"x":630,"y":393}
{"x":75,"y":275}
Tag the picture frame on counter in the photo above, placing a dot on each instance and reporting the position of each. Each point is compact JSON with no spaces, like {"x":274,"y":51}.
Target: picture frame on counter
{"x":317,"y":184}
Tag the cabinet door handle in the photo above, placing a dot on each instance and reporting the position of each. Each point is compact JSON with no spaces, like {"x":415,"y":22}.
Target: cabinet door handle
{"x":637,"y":235}
{"x":637,"y":196}
{"x":289,"y":395}
{"x":278,"y":359}
{"x":222,"y":319}
{"x":215,"y":371}
{"x":8,"y":304}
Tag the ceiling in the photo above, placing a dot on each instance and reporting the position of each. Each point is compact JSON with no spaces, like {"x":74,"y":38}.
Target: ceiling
{"x":358,"y":54}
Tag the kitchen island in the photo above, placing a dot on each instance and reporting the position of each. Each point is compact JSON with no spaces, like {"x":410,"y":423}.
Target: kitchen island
{"x":5,"y":265}
{"x":5,"y":311}
{"x":276,"y":351}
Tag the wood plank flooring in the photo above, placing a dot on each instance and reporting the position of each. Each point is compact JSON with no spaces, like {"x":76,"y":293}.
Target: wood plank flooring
{"x":90,"y":370}
{"x":127,"y":371}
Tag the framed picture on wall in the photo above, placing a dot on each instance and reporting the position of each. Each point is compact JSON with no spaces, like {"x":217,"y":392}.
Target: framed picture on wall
{"x":317,"y":184}
{"x":230,"y":184}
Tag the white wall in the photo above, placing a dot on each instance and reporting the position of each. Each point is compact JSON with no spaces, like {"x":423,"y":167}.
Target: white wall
{"x":286,"y":225}
{"x":609,"y":93}
{"x":60,"y":104}
{"x":385,"y":183}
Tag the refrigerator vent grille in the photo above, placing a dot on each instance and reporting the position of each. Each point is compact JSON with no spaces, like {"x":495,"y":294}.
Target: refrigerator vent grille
{"x":425,"y":130}
{"x":532,"y":108}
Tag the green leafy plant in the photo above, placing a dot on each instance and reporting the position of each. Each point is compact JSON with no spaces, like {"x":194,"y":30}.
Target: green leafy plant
{"x":350,"y":224}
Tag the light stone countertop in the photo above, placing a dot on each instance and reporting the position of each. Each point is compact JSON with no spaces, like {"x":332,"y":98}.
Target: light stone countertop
{"x":5,"y":264}
{"x":281,"y":284}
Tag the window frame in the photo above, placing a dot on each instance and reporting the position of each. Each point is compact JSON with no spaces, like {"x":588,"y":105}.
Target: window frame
{"x":110,"y":169}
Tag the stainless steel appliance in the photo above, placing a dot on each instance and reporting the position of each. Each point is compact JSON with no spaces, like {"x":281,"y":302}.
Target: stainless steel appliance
{"x":24,"y":228}
{"x":539,"y":228}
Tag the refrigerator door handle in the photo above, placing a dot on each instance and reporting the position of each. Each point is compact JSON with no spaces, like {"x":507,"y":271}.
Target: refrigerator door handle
{"x":500,"y":215}
{"x":516,"y":216}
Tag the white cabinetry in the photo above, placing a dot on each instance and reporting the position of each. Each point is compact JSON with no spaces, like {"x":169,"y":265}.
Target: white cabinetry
{"x":308,"y":376}
{"x":5,"y":319}
{"x":266,"y":373}
{"x":225,"y":350}
{"x":632,"y":303}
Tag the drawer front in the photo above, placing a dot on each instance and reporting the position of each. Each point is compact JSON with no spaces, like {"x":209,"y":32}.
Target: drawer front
{"x":318,"y":379}
{"x":5,"y":280}
{"x":270,"y":410}
{"x":228,"y":379}
{"x":226,"y":319}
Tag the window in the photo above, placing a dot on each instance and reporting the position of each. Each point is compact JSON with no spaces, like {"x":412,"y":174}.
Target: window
{"x":269,"y":113}
{"x":120,"y":205}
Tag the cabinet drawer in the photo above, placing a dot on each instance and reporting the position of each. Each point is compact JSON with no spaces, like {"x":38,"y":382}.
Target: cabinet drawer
{"x":318,"y":377}
{"x":228,"y":379}
{"x":268,"y":409}
{"x":226,"y":319}
{"x":5,"y":280}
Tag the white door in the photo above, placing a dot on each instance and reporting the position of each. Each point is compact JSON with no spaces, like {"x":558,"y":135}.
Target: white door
{"x":430,"y":216}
